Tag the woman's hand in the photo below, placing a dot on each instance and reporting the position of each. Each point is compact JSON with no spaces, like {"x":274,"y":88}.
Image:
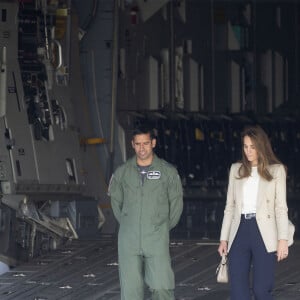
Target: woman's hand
{"x":222,"y":248}
{"x":282,"y":250}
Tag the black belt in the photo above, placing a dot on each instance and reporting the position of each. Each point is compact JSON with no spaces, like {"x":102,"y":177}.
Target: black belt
{"x":249,"y":216}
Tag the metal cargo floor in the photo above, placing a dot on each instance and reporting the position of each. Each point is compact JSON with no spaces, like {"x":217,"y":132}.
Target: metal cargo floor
{"x":87,"y":270}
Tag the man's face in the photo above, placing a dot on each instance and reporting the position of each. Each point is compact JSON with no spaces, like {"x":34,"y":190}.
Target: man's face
{"x":143,"y":147}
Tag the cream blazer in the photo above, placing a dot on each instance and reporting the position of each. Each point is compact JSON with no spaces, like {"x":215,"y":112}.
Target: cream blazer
{"x":271,"y":208}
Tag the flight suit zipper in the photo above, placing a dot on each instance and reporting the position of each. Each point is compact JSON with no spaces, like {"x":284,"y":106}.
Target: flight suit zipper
{"x":140,"y":214}
{"x":141,"y":224}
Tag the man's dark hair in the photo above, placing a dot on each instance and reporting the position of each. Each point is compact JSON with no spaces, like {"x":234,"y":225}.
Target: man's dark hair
{"x":143,"y":129}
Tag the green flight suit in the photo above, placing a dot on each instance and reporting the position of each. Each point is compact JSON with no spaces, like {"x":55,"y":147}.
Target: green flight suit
{"x":146,"y":213}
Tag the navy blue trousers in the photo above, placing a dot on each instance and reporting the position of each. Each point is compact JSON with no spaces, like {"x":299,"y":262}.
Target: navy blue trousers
{"x":248,"y":256}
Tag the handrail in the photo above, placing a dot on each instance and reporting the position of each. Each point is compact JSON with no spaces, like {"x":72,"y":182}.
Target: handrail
{"x":59,"y":47}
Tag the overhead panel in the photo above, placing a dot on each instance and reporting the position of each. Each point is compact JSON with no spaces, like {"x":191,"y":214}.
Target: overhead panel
{"x":149,"y":8}
{"x":279,"y":79}
{"x":266,"y":77}
{"x":147,"y":85}
{"x":235,"y":87}
{"x":191,"y":85}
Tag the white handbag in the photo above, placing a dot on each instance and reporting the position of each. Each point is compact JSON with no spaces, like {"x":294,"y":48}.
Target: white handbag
{"x":222,"y":270}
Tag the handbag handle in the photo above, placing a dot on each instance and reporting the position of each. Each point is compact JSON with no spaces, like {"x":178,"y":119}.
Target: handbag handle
{"x":224,"y":259}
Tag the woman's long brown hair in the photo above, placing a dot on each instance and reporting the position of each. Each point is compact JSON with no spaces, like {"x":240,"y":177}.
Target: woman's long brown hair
{"x":264,"y":150}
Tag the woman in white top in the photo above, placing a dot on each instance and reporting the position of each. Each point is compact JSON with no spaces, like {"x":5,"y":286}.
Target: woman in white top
{"x":254,"y":231}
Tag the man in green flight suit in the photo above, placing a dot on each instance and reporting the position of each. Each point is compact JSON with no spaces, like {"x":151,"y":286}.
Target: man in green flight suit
{"x":146,"y":198}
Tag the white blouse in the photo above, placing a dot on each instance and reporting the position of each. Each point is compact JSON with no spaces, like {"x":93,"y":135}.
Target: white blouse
{"x":250,"y":189}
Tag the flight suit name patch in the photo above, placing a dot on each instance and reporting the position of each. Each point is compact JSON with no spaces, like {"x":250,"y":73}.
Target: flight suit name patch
{"x":153,"y":174}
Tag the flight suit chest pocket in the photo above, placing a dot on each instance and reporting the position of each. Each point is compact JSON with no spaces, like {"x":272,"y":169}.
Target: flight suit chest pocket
{"x":160,"y":198}
{"x":130,"y":194}
{"x":156,"y":189}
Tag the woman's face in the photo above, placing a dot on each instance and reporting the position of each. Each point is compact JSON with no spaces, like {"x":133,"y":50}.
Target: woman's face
{"x":250,"y":151}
